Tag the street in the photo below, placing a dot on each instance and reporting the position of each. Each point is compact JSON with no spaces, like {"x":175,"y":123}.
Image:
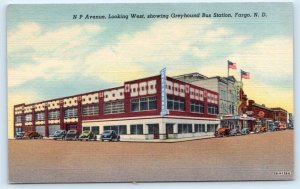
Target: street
{"x":266,"y":156}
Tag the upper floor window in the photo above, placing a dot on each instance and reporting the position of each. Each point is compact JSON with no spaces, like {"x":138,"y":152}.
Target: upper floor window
{"x":40,"y":116}
{"x":18,"y":119}
{"x":90,"y":109}
{"x":28,"y":117}
{"x":71,"y":112}
{"x":197,"y":107}
{"x":141,"y":104}
{"x":212,"y":109}
{"x":114,"y":107}
{"x":175,"y":104}
{"x":53,"y":115}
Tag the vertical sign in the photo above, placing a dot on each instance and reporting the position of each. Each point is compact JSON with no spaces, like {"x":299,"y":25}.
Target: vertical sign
{"x":163,"y":78}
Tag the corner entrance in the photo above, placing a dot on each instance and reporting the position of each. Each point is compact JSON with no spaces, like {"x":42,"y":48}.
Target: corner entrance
{"x":154,"y":129}
{"x":169,"y":130}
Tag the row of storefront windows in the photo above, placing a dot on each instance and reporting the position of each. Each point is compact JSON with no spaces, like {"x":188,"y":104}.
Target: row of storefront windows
{"x":137,"y":129}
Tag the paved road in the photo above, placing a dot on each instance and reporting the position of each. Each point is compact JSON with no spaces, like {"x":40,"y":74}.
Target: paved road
{"x":252,"y":157}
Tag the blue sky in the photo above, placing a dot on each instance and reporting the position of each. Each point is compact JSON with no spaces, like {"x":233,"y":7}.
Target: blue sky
{"x":50,"y":55}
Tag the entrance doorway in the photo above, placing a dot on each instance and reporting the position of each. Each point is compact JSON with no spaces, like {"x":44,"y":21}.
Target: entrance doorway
{"x":154,"y":129}
{"x":169,"y":130}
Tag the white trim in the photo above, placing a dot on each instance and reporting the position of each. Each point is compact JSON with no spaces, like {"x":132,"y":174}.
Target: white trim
{"x":149,"y":117}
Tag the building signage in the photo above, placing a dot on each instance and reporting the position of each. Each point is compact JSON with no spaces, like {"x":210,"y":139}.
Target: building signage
{"x":163,"y":77}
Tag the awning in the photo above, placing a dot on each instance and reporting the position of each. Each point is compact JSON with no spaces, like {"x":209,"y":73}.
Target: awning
{"x":238,"y":117}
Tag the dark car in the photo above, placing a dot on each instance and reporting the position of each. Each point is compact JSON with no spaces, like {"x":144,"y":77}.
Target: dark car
{"x":221,"y":132}
{"x":110,"y":135}
{"x":235,"y":132}
{"x":32,"y":135}
{"x":273,"y":127}
{"x":245,"y":131}
{"x":20,"y":135}
{"x":59,"y":134}
{"x":87,"y":135}
{"x":72,"y":135}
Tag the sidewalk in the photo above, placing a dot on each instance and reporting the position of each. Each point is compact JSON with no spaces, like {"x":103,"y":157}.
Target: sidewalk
{"x":168,"y":140}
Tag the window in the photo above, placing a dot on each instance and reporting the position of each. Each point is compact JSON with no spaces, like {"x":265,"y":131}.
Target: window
{"x":152,"y":127}
{"x":71,"y":112}
{"x":170,"y":128}
{"x":212,"y":109}
{"x":119,"y":129}
{"x":40,"y":116}
{"x":95,"y":130}
{"x":114,"y":107}
{"x":142,"y":104}
{"x":175,"y":104}
{"x":197,"y":107}
{"x":185,"y":128}
{"x":212,"y":127}
{"x":53,"y":115}
{"x":199,"y":128}
{"x":90,"y":109}
{"x":85,"y":128}
{"x":136,"y":129}
{"x":223,"y":95}
{"x":28,"y":117}
{"x":18,"y":119}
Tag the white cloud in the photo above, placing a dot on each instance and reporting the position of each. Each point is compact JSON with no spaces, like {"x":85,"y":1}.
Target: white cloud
{"x":164,"y":44}
{"x":270,"y":56}
{"x":53,"y":53}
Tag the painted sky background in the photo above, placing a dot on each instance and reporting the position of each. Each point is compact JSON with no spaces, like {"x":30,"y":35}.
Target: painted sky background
{"x":50,"y":55}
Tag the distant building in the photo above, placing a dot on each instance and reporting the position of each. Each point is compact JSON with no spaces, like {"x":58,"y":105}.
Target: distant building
{"x":260,"y":112}
{"x":226,"y":87}
{"x":280,"y":115}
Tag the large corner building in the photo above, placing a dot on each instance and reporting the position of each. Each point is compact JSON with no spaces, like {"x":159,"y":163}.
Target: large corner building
{"x":157,"y":107}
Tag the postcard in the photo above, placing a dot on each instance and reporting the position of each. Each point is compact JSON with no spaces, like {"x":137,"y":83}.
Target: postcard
{"x":150,"y":92}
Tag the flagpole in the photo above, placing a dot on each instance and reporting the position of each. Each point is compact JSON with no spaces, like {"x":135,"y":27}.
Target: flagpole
{"x":227,"y":88}
{"x":241,"y":77}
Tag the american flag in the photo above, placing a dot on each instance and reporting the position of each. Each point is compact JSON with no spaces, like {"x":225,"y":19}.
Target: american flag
{"x":245,"y":75}
{"x":231,"y":65}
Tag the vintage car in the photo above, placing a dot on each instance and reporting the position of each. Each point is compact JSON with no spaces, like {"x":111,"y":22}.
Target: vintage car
{"x":110,"y":135}
{"x":32,"y":135}
{"x":221,"y":132}
{"x":72,"y":135}
{"x":59,"y":134}
{"x":273,"y":127}
{"x":245,"y":131}
{"x":87,"y":135}
{"x":281,"y":127}
{"x":20,"y":135}
{"x":260,"y":129}
{"x":235,"y":132}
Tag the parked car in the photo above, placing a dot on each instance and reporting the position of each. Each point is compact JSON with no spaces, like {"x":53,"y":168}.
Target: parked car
{"x":235,"y":132}
{"x":245,"y":131}
{"x":221,"y":132}
{"x":20,"y":135}
{"x":260,"y":129}
{"x":110,"y":135}
{"x":273,"y":128}
{"x":72,"y":135}
{"x":87,"y":135}
{"x":59,"y":134}
{"x":263,"y":129}
{"x":281,"y":127}
{"x":32,"y":135}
